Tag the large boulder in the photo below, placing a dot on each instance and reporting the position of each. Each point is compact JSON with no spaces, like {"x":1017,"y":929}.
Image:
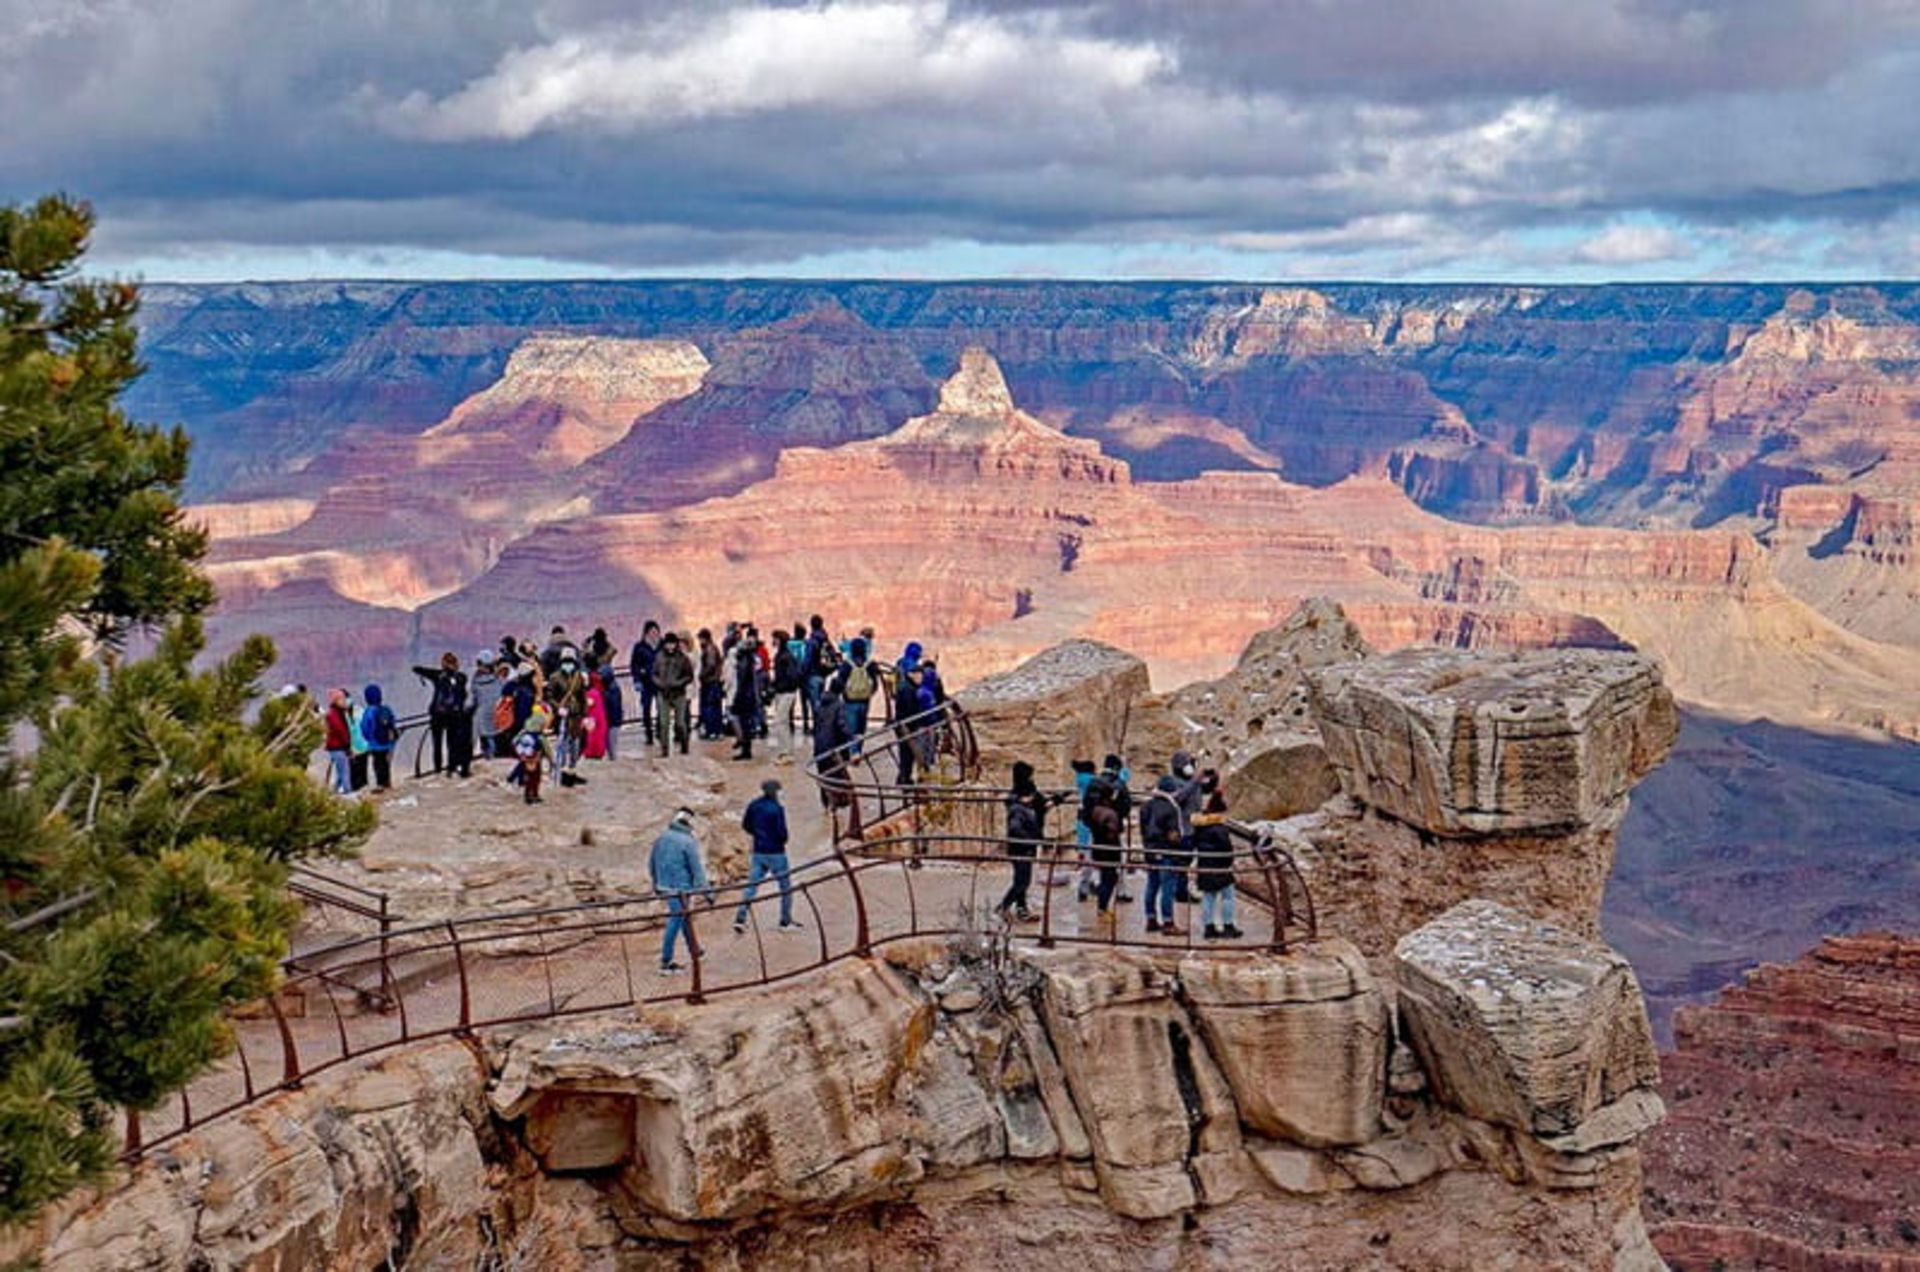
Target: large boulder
{"x":710,"y":1116}
{"x":369,"y":1166}
{"x":1254,"y":723}
{"x":1153,"y":1102}
{"x":1527,"y":1026}
{"x":1461,"y":743}
{"x":1301,"y":1039}
{"x":1071,"y":702}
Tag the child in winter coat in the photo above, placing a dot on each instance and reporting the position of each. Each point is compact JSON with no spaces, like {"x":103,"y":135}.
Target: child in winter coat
{"x":534,"y":752}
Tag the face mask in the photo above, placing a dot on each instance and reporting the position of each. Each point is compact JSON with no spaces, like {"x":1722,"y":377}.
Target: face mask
{"x":1186,"y":770}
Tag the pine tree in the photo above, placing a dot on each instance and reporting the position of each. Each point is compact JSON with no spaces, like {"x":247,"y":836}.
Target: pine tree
{"x":145,"y":820}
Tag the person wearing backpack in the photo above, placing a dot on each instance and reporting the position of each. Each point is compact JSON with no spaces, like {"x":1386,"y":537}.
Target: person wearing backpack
{"x":382,"y":733}
{"x":445,"y":709}
{"x":817,"y":665}
{"x":906,"y":706}
{"x":1026,"y":828}
{"x":1166,"y":829}
{"x":645,"y":651}
{"x":855,"y":684}
{"x":1104,"y":808}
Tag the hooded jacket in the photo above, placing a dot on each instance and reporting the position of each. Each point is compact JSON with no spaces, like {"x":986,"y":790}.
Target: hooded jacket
{"x":378,"y":728}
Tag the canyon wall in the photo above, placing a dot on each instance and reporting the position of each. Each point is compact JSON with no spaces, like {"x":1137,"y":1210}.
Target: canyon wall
{"x":1793,"y":1137}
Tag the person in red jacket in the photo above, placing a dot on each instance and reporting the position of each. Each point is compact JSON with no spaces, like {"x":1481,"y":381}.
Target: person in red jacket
{"x":339,"y":742}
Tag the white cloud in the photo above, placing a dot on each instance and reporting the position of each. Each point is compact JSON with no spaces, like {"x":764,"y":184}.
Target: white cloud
{"x":1634,"y":243}
{"x":849,"y":55}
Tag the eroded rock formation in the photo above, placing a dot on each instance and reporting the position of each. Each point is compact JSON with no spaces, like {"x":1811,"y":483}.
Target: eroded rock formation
{"x":1794,"y":1131}
{"x":1411,"y":1089}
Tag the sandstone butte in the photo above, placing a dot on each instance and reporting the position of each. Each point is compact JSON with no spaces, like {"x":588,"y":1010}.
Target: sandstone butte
{"x":1793,"y":1132}
{"x":1454,"y":1074}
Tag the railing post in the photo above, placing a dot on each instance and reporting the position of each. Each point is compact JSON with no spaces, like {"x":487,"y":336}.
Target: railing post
{"x":1276,"y":892}
{"x":460,"y":969}
{"x":695,"y":992}
{"x":1046,"y":899}
{"x":133,"y":1133}
{"x":289,"y":1050}
{"x":862,"y":937}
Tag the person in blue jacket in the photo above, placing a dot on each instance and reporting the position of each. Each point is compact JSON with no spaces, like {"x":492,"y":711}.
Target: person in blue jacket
{"x":381,"y":733}
{"x":677,"y":873}
{"x":766,"y":824}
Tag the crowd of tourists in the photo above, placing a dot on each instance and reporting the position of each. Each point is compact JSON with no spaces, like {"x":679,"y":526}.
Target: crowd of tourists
{"x":1184,"y":844}
{"x":547,"y":708}
{"x":550,"y":708}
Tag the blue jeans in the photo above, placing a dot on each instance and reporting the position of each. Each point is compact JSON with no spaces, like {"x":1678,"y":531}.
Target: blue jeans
{"x":341,"y":764}
{"x":1163,"y":883}
{"x":855,"y":714}
{"x":1221,"y":901}
{"x":676,"y":924}
{"x":761,"y":865}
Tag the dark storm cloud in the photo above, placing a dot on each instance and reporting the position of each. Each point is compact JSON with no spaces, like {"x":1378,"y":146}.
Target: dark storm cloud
{"x":748,"y":134}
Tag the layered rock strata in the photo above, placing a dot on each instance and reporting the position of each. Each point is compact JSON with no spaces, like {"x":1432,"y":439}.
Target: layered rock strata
{"x":936,"y":1108}
{"x":1464,"y":776}
{"x":1425,"y":1085}
{"x":1794,"y":1134}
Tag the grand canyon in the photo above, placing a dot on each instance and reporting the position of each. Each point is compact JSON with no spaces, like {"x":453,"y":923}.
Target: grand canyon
{"x":1721,"y":478}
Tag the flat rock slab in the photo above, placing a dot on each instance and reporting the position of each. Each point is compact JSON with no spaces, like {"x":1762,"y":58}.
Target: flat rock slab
{"x":1071,"y":702}
{"x":1470,"y":743}
{"x":1522,"y":1024}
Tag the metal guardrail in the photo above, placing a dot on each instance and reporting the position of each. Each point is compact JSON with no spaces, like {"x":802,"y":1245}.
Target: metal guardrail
{"x":900,"y":870}
{"x":453,"y":977}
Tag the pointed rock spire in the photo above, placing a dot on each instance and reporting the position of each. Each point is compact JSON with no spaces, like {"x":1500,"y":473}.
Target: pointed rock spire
{"x":977,"y":388}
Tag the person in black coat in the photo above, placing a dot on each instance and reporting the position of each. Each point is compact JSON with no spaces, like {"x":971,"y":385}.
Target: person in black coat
{"x":449,"y":716}
{"x":906,"y":705}
{"x":640,"y":665}
{"x":1026,"y":827}
{"x":1213,"y":862}
{"x":746,"y":698}
{"x":830,"y":753}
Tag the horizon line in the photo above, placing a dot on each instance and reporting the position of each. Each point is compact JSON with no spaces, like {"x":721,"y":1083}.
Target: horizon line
{"x":1013,"y":280}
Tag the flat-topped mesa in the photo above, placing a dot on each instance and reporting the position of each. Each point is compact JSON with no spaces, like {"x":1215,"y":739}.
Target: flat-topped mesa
{"x":1477,"y":775}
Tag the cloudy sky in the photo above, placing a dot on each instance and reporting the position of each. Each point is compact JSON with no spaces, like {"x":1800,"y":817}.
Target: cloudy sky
{"x":1398,"y":139}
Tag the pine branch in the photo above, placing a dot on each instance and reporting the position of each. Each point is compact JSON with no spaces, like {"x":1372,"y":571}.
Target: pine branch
{"x":57,"y":909}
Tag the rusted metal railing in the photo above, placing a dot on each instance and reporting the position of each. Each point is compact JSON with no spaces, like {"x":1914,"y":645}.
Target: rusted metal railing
{"x":416,"y":982}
